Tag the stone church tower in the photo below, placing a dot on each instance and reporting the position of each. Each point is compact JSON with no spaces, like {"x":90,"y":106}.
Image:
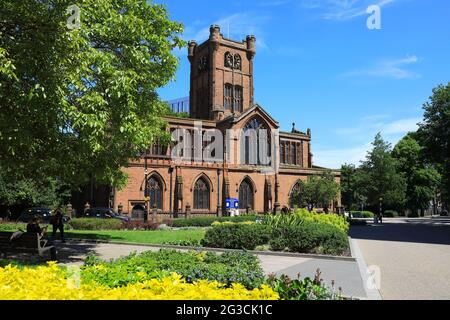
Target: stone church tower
{"x":221,"y":82}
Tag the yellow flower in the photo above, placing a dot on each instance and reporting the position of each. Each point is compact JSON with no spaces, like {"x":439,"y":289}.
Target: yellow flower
{"x":52,"y":283}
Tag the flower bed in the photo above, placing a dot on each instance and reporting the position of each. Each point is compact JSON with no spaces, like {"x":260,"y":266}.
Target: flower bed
{"x":159,"y":275}
{"x":53,"y":283}
{"x":227,"y":268}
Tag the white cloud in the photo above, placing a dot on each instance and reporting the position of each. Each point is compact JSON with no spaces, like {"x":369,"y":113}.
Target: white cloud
{"x":342,"y":10}
{"x":394,"y":69}
{"x":400,"y":126}
{"x":335,"y":158}
{"x":362,"y":135}
{"x":370,"y":125}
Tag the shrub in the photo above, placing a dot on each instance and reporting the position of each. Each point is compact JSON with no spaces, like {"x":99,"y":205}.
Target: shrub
{"x":11,"y":227}
{"x":52,"y":282}
{"x":301,"y":215}
{"x":140,"y":225}
{"x":306,"y":289}
{"x":310,"y":237}
{"x":208,"y":221}
{"x":390,"y":214}
{"x":185,"y":242}
{"x":237,"y":236}
{"x":95,"y":224}
{"x":362,"y":214}
{"x":228,"y":268}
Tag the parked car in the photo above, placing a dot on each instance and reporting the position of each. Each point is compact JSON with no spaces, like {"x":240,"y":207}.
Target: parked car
{"x":43,"y":214}
{"x":103,"y":213}
{"x":444,"y":213}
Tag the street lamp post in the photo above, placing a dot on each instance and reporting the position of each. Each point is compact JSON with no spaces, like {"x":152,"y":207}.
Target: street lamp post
{"x":146,"y":211}
{"x":381,"y":211}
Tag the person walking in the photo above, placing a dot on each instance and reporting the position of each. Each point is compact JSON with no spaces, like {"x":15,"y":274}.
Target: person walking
{"x":58,"y":223}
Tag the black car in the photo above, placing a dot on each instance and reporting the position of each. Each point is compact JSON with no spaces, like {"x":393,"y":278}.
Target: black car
{"x":444,"y":213}
{"x":103,"y":213}
{"x":43,"y":214}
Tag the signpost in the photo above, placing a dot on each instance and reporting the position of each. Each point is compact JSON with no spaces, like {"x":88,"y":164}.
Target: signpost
{"x":232,"y":206}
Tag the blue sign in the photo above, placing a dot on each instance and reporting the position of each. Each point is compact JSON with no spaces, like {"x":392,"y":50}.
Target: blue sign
{"x":232,"y":203}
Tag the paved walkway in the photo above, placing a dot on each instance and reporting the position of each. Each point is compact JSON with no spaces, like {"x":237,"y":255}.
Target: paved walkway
{"x":345,"y":273}
{"x":413,"y":256}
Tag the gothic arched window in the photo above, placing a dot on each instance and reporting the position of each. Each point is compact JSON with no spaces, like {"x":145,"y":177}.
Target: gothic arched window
{"x":155,"y":192}
{"x":295,"y":194}
{"x":228,"y":96}
{"x":232,"y":61}
{"x":246,"y":194}
{"x":201,"y":195}
{"x":256,"y":143}
{"x":237,"y":102}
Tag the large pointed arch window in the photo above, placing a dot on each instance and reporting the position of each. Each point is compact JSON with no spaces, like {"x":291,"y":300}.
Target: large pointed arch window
{"x":201,"y":195}
{"x":246,"y":195}
{"x":295,"y":195}
{"x":155,"y":192}
{"x":256,"y":143}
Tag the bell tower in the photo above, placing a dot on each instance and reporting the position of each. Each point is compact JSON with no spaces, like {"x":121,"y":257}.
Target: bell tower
{"x":221,"y":80}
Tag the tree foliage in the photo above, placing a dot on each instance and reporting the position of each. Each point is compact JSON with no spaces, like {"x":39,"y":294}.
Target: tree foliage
{"x":318,"y":191}
{"x":434,"y":134}
{"x":78,"y":103}
{"x":422,"y":179}
{"x":20,"y":192}
{"x":379,"y":178}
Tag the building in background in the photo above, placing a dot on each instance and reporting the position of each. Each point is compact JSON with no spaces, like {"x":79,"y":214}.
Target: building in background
{"x":221,"y":97}
{"x":180,"y":105}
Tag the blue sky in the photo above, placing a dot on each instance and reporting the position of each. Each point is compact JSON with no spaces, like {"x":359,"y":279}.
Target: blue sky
{"x":318,"y":65}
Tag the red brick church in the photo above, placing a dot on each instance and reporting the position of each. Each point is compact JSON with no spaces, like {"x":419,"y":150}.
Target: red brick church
{"x":222,"y":98}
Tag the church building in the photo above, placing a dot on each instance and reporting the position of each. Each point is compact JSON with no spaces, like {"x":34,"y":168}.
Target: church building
{"x":222,"y":99}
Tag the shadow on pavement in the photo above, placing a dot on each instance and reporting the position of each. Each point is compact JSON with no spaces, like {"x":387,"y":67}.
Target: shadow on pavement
{"x":66,"y":252}
{"x":433,"y":231}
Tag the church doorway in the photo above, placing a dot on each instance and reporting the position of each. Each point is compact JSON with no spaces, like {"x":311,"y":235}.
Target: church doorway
{"x":138,"y":212}
{"x":246,"y":195}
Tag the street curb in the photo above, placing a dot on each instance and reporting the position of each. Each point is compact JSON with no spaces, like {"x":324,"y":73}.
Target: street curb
{"x":372,"y":294}
{"x":266,"y":253}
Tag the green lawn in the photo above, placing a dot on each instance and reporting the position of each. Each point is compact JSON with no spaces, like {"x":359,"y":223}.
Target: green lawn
{"x":151,"y":237}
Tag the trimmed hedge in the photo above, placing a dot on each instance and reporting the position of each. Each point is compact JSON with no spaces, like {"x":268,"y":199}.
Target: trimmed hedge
{"x":362,"y":214}
{"x":236,"y":236}
{"x":208,"y":221}
{"x":310,"y":237}
{"x":307,"y":237}
{"x":390,"y":214}
{"x":95,"y":224}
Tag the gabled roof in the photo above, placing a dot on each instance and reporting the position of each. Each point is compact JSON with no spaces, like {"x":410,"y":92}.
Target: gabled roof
{"x":256,"y":107}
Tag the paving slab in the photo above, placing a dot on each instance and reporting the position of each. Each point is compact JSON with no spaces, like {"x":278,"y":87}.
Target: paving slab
{"x":413,"y":256}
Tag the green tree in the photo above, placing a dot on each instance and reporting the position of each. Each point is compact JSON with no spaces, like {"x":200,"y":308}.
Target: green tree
{"x":348,"y":186}
{"x":434,"y":134}
{"x":19,"y":192}
{"x":318,"y":191}
{"x":422,"y":180}
{"x":78,"y":103}
{"x":378,"y":176}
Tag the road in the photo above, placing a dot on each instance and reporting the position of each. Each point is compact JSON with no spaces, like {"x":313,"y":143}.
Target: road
{"x":413,"y":256}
